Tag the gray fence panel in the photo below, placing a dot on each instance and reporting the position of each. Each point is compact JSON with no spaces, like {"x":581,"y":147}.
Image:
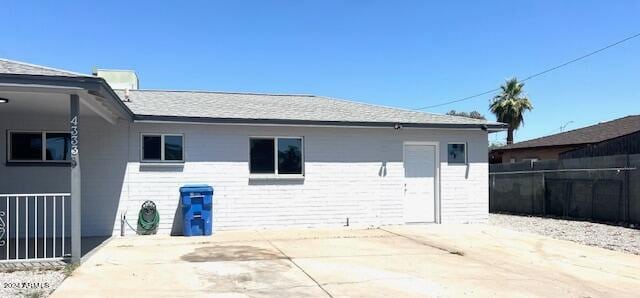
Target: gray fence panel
{"x":633,"y":184}
{"x":605,"y":188}
{"x":518,"y":193}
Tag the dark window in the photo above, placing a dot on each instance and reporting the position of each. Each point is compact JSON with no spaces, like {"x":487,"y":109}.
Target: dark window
{"x":289,"y":159}
{"x":262,"y":156}
{"x":457,"y":153}
{"x":29,"y":146}
{"x":172,"y":147}
{"x":26,"y":146}
{"x":58,"y":146}
{"x":162,"y":147}
{"x":289,"y":156}
{"x":151,"y":148}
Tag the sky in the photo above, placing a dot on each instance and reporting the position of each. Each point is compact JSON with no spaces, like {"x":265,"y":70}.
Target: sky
{"x":405,"y":54}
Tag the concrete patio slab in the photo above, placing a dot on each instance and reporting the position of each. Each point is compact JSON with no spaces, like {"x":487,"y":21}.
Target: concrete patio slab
{"x":396,"y":261}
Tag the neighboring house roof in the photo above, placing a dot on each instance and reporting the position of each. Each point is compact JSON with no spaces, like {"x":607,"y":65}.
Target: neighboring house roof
{"x":230,"y":107}
{"x":15,"y":67}
{"x":587,"y":135}
{"x":254,"y":106}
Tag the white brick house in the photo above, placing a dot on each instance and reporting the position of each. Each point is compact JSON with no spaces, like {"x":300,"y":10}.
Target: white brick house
{"x":273,"y":160}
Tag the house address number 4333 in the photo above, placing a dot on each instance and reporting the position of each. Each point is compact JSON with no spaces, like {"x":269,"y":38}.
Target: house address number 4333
{"x":74,"y":136}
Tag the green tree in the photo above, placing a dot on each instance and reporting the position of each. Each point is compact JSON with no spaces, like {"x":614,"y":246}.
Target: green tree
{"x":495,"y":145}
{"x":474,"y":114}
{"x":510,"y":105}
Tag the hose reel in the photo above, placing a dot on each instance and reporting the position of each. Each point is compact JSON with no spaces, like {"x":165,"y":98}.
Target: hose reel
{"x":148,"y":218}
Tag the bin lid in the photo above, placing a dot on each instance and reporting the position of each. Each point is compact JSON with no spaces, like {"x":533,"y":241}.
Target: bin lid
{"x":196,"y":188}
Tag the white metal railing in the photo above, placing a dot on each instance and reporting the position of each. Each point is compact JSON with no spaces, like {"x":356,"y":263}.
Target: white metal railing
{"x":33,"y":226}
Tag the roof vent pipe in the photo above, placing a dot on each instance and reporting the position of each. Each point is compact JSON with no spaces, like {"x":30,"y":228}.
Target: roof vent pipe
{"x":126,"y":95}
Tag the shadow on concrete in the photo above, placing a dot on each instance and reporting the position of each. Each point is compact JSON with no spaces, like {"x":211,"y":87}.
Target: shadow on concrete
{"x":41,"y":248}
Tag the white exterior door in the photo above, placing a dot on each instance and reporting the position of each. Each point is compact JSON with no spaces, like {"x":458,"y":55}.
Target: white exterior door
{"x":419,"y":182}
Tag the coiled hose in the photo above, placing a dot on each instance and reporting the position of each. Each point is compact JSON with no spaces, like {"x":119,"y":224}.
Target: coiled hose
{"x":148,"y":218}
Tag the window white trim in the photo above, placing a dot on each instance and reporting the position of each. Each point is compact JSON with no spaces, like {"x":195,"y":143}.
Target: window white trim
{"x":466,"y":153}
{"x":276,"y":173}
{"x":43,"y":150}
{"x":162,"y":157}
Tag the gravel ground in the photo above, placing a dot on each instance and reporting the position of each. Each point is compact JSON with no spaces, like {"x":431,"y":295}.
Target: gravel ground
{"x":588,"y":233}
{"x":30,"y":283}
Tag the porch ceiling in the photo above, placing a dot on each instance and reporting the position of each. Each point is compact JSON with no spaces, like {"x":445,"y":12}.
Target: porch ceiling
{"x":52,"y":104}
{"x":38,"y":94}
{"x":36,"y":103}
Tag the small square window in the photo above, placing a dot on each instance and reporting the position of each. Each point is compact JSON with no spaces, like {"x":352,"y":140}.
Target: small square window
{"x":457,"y":153}
{"x":162,"y":147}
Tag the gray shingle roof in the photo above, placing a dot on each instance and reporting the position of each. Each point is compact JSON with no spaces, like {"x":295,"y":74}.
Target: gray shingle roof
{"x":241,"y":107}
{"x":586,"y":135}
{"x":15,"y":67}
{"x":223,"y":105}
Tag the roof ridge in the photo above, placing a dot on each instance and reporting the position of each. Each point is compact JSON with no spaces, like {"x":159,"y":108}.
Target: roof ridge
{"x":572,"y":130}
{"x":310,"y":96}
{"x":585,"y":127}
{"x":396,"y":108}
{"x":44,"y":67}
{"x":218,"y":92}
{"x":559,"y":133}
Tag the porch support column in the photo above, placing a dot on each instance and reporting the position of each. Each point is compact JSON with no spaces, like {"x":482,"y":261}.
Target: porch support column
{"x":76,"y":186}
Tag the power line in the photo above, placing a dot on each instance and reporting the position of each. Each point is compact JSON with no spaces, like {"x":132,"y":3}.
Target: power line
{"x":536,"y":74}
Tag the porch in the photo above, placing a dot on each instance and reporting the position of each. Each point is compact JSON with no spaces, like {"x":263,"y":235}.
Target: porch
{"x":41,"y":185}
{"x":35,"y":228}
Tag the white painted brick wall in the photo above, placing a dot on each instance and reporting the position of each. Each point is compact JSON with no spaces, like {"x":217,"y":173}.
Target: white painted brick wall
{"x":342,"y":176}
{"x":342,"y":166}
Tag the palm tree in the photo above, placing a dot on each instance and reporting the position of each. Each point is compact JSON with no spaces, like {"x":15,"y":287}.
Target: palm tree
{"x":509,"y":106}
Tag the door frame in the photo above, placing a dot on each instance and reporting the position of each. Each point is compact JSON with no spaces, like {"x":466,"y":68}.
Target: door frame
{"x":436,"y":181}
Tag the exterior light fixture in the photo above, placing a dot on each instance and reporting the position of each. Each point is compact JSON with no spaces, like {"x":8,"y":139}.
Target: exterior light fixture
{"x":3,"y":100}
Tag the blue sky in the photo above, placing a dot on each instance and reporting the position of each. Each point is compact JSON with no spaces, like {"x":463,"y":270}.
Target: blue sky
{"x":398,"y":53}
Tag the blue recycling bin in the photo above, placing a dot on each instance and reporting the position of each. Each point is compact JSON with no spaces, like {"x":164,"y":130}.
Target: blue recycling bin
{"x":197,"y":202}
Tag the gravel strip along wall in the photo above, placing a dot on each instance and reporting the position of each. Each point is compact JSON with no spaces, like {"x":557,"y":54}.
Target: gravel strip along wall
{"x":594,"y":234}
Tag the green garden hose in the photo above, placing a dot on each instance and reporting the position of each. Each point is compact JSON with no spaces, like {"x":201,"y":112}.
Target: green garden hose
{"x":148,"y":218}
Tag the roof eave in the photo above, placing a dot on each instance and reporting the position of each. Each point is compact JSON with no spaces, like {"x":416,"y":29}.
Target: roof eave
{"x":95,"y":85}
{"x":497,"y":127}
{"x":296,"y":122}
